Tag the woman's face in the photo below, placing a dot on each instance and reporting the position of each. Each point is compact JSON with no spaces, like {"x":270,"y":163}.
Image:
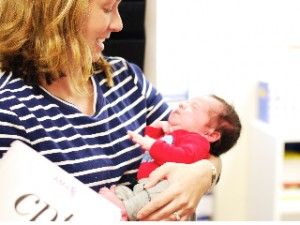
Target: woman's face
{"x":103,"y":18}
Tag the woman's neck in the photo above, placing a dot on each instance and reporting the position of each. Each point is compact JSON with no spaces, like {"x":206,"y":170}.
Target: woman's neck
{"x":82,"y":96}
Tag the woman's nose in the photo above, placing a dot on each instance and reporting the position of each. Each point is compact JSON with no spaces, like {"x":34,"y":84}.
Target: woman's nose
{"x":116,"y":24}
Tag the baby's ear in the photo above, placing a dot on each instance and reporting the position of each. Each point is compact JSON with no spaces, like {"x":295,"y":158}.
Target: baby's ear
{"x":213,"y":136}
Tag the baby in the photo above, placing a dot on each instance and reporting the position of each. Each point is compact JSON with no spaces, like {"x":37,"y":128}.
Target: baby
{"x":197,"y":128}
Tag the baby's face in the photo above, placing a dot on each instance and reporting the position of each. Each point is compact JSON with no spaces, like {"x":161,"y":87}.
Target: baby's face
{"x":194,"y":115}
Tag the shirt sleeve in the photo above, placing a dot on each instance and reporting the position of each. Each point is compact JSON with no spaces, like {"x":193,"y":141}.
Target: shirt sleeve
{"x":154,"y":132}
{"x":188,"y":149}
{"x":10,"y":129}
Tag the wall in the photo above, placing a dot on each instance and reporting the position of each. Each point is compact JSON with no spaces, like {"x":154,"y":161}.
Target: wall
{"x":130,"y":43}
{"x":201,"y":46}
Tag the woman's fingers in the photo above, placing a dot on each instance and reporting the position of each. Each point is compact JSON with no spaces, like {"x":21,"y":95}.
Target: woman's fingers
{"x":166,"y":206}
{"x":176,"y":198}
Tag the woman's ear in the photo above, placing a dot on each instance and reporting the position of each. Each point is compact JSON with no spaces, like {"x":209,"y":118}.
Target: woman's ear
{"x":213,"y":136}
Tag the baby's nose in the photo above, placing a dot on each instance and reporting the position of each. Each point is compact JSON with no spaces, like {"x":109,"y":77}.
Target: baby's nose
{"x":181,"y":105}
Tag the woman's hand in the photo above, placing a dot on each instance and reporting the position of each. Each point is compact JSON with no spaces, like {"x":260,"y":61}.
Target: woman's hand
{"x":188,"y":183}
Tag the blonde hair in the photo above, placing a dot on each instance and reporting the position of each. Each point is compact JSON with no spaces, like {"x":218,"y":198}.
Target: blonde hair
{"x":42,"y":37}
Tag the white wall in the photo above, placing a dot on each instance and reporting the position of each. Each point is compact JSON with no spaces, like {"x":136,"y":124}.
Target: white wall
{"x":223,"y":46}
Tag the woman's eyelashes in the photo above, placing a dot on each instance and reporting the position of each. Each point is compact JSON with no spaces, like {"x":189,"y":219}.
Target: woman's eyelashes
{"x":108,"y":10}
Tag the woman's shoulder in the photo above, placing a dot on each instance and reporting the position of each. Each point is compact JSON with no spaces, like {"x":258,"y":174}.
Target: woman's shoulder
{"x":10,"y":86}
{"x":118,"y":63}
{"x":124,"y":70}
{"x":13,"y":88}
{"x":115,"y":60}
{"x":9,"y":82}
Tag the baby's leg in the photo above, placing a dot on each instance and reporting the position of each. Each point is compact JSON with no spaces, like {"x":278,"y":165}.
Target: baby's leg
{"x":122,"y":192}
{"x":153,"y":191}
{"x":142,"y":197}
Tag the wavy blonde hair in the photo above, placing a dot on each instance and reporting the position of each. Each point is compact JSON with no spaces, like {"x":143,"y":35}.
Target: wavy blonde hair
{"x":42,"y":37}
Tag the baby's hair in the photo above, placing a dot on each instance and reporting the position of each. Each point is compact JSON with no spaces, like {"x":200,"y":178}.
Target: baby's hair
{"x":229,"y":126}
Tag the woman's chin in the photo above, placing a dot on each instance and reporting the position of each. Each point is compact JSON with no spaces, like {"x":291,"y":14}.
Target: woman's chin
{"x":95,"y":57}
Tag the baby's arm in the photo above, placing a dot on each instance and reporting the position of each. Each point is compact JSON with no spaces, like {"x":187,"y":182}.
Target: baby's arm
{"x":145,"y":142}
{"x":164,"y":125}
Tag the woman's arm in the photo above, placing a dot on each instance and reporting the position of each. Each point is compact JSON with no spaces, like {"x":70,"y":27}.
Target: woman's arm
{"x":185,"y":191}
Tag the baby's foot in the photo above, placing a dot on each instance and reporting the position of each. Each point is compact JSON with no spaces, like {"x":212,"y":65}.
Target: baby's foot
{"x":104,"y":191}
{"x":110,"y":196}
{"x":113,"y":188}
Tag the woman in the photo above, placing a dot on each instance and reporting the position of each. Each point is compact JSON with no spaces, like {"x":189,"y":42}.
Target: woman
{"x":60,"y":96}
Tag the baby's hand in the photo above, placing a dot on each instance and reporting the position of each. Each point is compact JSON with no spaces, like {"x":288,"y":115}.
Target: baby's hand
{"x":145,"y":142}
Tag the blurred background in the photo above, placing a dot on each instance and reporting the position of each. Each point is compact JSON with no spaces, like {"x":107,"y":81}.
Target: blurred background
{"x":248,"y":52}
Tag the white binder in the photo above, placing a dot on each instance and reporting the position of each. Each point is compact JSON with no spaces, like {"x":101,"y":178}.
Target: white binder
{"x":34,"y":189}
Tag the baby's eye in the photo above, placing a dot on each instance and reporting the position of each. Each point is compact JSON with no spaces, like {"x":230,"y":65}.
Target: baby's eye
{"x":194,"y":106}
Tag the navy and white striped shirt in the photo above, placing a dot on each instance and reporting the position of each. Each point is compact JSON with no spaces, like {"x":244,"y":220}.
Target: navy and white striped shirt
{"x":94,"y":149}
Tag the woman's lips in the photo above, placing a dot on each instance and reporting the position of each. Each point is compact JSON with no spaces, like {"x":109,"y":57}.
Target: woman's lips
{"x":100,"y":44}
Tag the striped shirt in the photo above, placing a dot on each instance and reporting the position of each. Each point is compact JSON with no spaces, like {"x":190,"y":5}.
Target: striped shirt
{"x":94,"y":149}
